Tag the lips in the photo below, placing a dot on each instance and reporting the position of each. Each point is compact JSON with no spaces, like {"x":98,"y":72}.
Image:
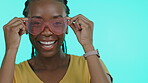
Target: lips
{"x":47,"y":45}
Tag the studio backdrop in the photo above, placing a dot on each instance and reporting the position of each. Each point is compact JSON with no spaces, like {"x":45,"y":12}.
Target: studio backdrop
{"x":120,"y":35}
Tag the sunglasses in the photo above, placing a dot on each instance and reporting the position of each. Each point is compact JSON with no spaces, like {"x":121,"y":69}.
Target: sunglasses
{"x":57,"y":26}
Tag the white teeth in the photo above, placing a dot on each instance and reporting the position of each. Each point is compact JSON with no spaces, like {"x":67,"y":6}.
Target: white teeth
{"x":47,"y":43}
{"x":48,"y":46}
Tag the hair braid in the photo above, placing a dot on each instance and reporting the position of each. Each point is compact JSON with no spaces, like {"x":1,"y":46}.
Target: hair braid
{"x":25,"y":13}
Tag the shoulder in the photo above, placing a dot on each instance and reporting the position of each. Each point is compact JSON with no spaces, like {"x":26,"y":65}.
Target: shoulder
{"x":21,"y":64}
{"x":19,"y":71}
{"x":21,"y":67}
{"x":78,"y":68}
{"x":77,"y":59}
{"x":78,"y":63}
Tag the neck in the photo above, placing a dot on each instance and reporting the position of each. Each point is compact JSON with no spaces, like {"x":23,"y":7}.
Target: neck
{"x":50,"y":63}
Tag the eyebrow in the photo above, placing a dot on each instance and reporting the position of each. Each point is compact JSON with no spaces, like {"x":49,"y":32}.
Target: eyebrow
{"x":42,"y":17}
{"x":36,"y":17}
{"x":57,"y":16}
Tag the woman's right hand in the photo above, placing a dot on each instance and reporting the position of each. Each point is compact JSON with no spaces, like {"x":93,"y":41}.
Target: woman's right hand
{"x":13,"y":32}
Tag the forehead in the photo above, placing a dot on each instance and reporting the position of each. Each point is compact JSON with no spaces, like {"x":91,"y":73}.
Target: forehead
{"x":46,"y":8}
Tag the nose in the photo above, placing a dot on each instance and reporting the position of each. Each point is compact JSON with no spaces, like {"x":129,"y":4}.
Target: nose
{"x":46,"y":31}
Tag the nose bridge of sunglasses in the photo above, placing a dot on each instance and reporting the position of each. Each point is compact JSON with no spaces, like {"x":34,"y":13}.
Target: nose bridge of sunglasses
{"x":47,"y":27}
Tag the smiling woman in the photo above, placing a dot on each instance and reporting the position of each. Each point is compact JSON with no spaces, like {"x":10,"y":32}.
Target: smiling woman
{"x":46,"y":23}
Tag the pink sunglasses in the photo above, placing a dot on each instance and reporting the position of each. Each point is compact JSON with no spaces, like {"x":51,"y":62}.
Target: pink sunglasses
{"x":57,"y":26}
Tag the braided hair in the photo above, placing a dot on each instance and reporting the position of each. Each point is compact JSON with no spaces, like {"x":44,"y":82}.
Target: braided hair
{"x":25,"y":13}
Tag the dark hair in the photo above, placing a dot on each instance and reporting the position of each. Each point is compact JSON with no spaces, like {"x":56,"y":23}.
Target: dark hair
{"x":25,"y":13}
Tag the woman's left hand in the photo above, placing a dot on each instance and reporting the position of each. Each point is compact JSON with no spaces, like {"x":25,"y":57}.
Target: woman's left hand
{"x":83,"y":28}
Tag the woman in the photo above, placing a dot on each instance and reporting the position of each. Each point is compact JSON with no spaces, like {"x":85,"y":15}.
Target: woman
{"x":46,"y":23}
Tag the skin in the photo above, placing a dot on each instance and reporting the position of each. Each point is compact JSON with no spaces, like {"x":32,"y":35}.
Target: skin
{"x":50,"y":62}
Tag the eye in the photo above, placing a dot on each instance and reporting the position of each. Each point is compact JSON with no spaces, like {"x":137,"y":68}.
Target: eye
{"x":58,"y":23}
{"x":36,"y":23}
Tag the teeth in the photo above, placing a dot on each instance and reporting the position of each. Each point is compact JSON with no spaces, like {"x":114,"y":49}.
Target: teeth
{"x":47,"y":43}
{"x":48,"y":46}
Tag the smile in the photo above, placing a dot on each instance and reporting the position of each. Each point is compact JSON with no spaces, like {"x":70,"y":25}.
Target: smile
{"x":47,"y":45}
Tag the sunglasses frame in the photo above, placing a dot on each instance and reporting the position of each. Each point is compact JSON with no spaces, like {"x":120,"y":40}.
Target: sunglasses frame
{"x":50,"y":24}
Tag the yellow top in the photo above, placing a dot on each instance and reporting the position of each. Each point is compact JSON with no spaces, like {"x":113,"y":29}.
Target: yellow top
{"x":77,"y":72}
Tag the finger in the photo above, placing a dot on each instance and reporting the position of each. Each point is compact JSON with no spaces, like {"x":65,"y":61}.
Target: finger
{"x":77,"y":24}
{"x":15,"y":26}
{"x":18,"y":29}
{"x":86,"y":19}
{"x":12,"y":21}
{"x":22,"y":29}
{"x":72,"y":25}
{"x":80,"y":22}
{"x":73,"y":19}
{"x":83,"y":24}
{"x":77,"y":32}
{"x":9,"y":27}
{"x":68,"y":18}
{"x":82,"y":16}
{"x":89,"y":23}
{"x":15,"y":19}
{"x":24,"y":19}
{"x":21,"y":21}
{"x":21,"y":32}
{"x":15,"y":22}
{"x":73,"y":28}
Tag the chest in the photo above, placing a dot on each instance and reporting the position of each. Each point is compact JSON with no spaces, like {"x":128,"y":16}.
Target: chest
{"x":52,"y":76}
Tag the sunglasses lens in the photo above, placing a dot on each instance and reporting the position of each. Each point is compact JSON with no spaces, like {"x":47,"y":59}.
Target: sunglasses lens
{"x":34,"y":26}
{"x":59,"y":26}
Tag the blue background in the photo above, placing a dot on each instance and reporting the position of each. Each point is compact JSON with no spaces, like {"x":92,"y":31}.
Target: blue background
{"x":120,"y":34}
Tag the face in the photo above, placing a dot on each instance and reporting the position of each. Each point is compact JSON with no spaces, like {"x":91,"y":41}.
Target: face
{"x":50,"y":14}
